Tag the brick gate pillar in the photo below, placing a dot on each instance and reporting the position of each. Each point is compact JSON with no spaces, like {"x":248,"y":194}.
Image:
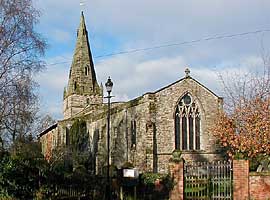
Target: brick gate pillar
{"x":241,"y":179}
{"x":177,"y":172}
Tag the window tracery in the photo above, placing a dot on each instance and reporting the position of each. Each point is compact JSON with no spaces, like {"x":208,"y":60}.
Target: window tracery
{"x":187,"y":124}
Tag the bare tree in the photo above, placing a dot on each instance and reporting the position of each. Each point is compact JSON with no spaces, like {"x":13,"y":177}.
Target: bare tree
{"x":43,"y":122}
{"x":244,"y":127}
{"x":20,"y":50}
{"x":243,"y":86}
{"x":22,"y":107}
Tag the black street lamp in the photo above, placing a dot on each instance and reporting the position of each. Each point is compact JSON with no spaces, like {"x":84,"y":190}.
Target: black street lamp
{"x":109,"y":85}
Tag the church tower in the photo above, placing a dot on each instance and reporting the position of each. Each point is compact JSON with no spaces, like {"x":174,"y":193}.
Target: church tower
{"x":83,"y":89}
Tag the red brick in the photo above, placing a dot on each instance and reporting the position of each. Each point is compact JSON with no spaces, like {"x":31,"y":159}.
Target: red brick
{"x":241,"y":179}
{"x":177,"y":171}
{"x":259,"y":185}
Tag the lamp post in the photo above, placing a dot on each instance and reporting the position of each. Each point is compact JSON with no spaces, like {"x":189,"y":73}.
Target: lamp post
{"x":67,"y":156}
{"x":109,"y":85}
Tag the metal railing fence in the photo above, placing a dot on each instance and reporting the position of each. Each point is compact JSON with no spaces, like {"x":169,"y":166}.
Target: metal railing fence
{"x":208,"y":180}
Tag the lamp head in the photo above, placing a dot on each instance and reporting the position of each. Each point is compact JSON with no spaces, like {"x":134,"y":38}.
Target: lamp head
{"x":109,"y":85}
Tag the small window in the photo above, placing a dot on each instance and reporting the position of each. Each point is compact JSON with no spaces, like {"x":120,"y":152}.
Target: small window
{"x":87,"y":101}
{"x":187,"y":99}
{"x":95,"y":141}
{"x":75,"y":85}
{"x":86,"y":70}
{"x":133,"y":133}
{"x":67,"y":136}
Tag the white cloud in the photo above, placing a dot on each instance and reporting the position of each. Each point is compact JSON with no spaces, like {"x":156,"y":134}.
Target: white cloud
{"x":139,"y":24}
{"x":55,"y":76}
{"x":133,"y":76}
{"x":52,"y":82}
{"x":54,"y":79}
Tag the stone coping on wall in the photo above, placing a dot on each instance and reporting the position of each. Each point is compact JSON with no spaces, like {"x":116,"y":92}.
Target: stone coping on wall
{"x":190,"y":152}
{"x":259,"y":173}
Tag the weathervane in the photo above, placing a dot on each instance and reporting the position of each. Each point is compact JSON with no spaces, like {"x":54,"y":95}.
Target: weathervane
{"x":82,"y":4}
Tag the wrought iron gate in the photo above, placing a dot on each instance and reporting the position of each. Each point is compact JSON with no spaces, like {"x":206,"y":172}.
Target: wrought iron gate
{"x":204,"y":180}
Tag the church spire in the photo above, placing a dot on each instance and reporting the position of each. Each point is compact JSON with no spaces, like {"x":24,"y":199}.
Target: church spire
{"x":82,"y":77}
{"x":83,"y":89}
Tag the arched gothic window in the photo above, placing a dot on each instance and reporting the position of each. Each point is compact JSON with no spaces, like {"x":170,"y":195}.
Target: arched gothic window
{"x":187,"y":124}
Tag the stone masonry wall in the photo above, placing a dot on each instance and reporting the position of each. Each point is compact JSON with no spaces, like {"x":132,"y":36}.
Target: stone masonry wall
{"x":75,"y":103}
{"x":166,"y":102}
{"x":155,"y":131}
{"x":121,"y":117}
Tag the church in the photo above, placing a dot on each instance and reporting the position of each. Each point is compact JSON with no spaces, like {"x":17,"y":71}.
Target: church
{"x":144,"y":131}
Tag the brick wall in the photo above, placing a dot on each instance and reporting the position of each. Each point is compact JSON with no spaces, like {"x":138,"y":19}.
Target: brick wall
{"x":245,"y":185}
{"x":177,"y":172}
{"x":240,"y":179}
{"x":259,"y":185}
{"x":248,"y":185}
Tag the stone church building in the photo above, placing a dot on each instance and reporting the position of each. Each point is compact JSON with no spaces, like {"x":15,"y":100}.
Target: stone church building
{"x":144,"y":131}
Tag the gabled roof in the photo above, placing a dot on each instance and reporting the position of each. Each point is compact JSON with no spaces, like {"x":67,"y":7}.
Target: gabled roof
{"x":178,"y":81}
{"x":48,"y":129}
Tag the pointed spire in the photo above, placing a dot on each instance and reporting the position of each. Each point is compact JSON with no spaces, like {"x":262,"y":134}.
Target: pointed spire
{"x":82,"y":25}
{"x":82,"y":78}
{"x":83,"y":89}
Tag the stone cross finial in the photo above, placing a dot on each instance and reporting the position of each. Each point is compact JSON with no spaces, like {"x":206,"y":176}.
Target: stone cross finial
{"x":187,"y":71}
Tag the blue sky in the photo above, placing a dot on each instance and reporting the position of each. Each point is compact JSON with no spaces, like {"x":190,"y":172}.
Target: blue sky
{"x":119,"y":25}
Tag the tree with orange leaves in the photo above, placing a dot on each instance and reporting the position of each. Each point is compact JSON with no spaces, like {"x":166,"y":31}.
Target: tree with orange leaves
{"x":244,"y":126}
{"x":246,"y":131}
